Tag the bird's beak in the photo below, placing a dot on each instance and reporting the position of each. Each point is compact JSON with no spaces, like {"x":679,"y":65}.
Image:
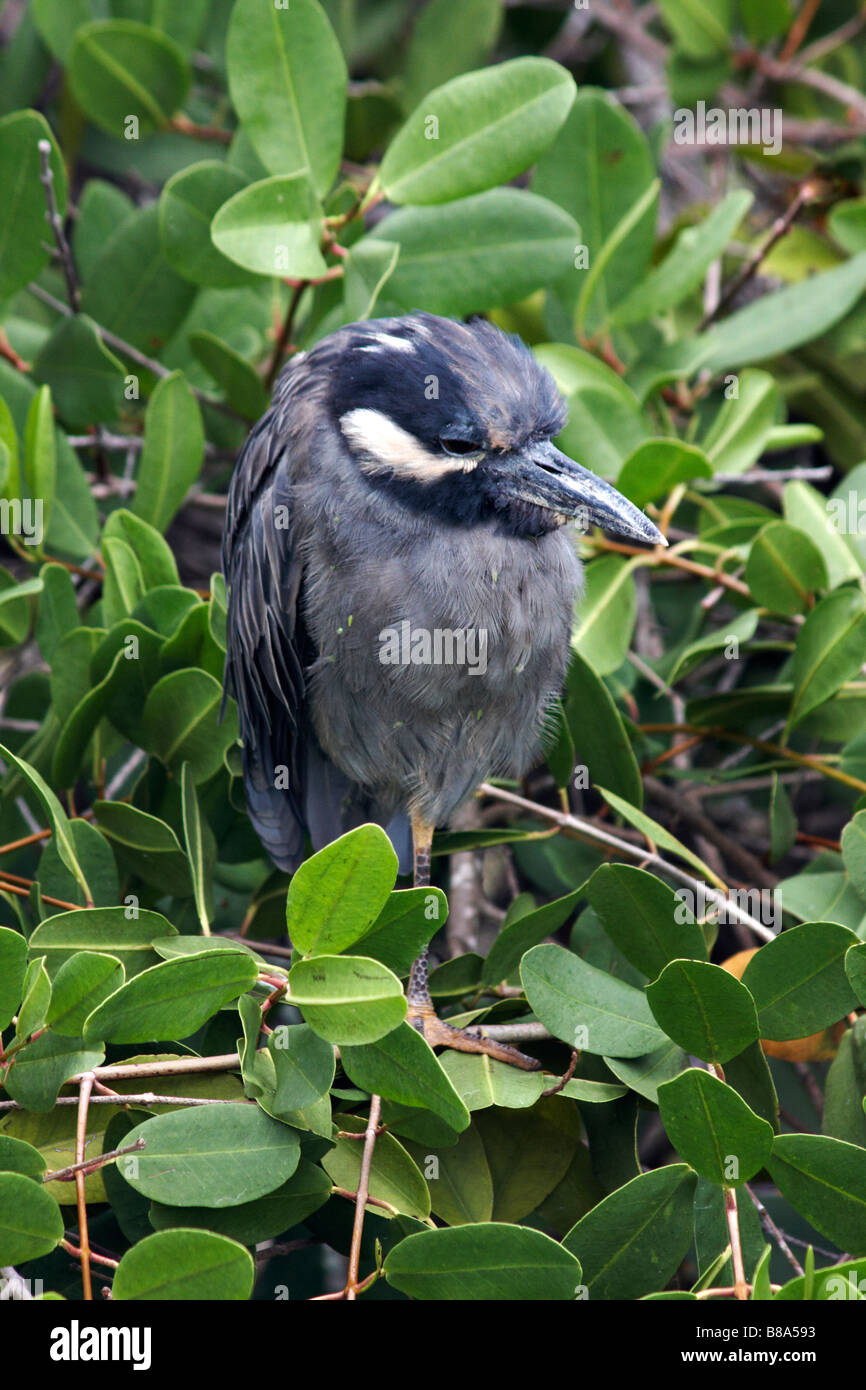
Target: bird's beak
{"x":540,"y":474}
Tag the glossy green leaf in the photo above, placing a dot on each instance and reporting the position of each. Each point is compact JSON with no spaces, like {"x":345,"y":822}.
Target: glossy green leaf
{"x":337,"y":894}
{"x":485,"y":1261}
{"x":632,"y":1242}
{"x":211,"y":1156}
{"x":703,"y":1009}
{"x":825,"y":1181}
{"x":272,"y":227}
{"x":586,"y":1007}
{"x":472,"y":254}
{"x":599,"y":736}
{"x":831,"y":648}
{"x":347,"y":1000}
{"x":172,"y":453}
{"x":644,"y":918}
{"x":188,"y":203}
{"x":23,"y":229}
{"x":237,"y":378}
{"x":80,"y":985}
{"x":181,"y":722}
{"x":183,"y":1265}
{"x":401,"y":1067}
{"x":31,"y":1224}
{"x":85,"y":377}
{"x":784,"y":568}
{"x":287,"y":79}
{"x":713,"y":1129}
{"x":172,"y":999}
{"x":476,"y":131}
{"x":118,"y":68}
{"x":13,"y":966}
{"x":394,"y":1176}
{"x":798,"y":980}
{"x":606,"y":615}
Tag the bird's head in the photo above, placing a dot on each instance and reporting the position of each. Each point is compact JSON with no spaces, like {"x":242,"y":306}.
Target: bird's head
{"x":458,"y":419}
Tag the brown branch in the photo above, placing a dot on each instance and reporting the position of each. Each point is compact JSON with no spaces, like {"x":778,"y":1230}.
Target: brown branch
{"x":91,"y":1165}
{"x":659,"y":557}
{"x":819,"y":81}
{"x":772,"y":1229}
{"x":361,"y":1199}
{"x":285,"y":335}
{"x":84,"y":1090}
{"x":8,"y":351}
{"x":182,"y":125}
{"x":799,"y":29}
{"x":774,"y":750}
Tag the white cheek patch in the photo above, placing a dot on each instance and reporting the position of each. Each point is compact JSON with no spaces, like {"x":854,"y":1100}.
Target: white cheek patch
{"x":388,"y":340}
{"x":382,"y":444}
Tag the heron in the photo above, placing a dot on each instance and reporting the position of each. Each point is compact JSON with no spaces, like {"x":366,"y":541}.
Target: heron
{"x":400,"y":556}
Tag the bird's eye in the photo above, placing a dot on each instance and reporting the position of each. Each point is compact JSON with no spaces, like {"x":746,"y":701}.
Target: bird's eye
{"x":459,"y":447}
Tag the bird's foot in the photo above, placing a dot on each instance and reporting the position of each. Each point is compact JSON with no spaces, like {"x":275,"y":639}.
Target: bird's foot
{"x":423,"y":1017}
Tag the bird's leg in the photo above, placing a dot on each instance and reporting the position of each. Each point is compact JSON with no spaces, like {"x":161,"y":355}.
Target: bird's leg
{"x":420,"y":1012}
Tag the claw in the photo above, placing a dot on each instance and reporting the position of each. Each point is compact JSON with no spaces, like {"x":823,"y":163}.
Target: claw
{"x":439,"y":1034}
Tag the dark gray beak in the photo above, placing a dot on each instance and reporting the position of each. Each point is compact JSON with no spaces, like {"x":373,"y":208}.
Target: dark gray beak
{"x":540,"y":474}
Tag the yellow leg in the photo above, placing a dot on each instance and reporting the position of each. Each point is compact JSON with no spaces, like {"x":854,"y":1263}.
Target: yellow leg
{"x":421,"y":1013}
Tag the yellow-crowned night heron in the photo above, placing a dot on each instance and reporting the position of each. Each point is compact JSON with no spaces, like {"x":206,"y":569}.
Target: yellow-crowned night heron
{"x":401,"y":584}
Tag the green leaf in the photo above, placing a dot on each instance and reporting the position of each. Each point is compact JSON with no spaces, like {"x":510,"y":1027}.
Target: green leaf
{"x":656,"y":466}
{"x":182,"y":1265}
{"x":476,"y":253}
{"x":599,"y":736}
{"x":517,"y":937}
{"x":181,"y":722}
{"x":118,"y":68}
{"x":481,"y":1082}
{"x":854,"y":851}
{"x":631,"y":1243}
{"x":599,"y":164}
{"x":685,"y":265}
{"x":820,"y":518}
{"x":80,"y":985}
{"x":724,"y":639}
{"x":273,"y":227}
{"x":124,"y":932}
{"x":831,"y":648}
{"x":36,"y":998}
{"x":784,"y":568}
{"x":586,"y":1007}
{"x":86,"y":379}
{"x":347,"y":1000}
{"x":23,"y":229}
{"x":304,"y":1066}
{"x":798,"y":980}
{"x":855,"y":967}
{"x":146,"y":845}
{"x":449,"y":37}
{"x":646,"y":1074}
{"x":407,"y":923}
{"x":476,"y":131}
{"x":200,"y":848}
{"x":394,"y":1176}
{"x":740,"y":429}
{"x":172,"y":999}
{"x":703,"y":1009}
{"x":132,"y":290}
{"x":655,"y":832}
{"x":31,"y":1224}
{"x":337,"y":894}
{"x":636,"y":216}
{"x":713,"y":1129}
{"x":40,"y":454}
{"x":154,"y":555}
{"x":701,"y":28}
{"x":606,"y":614}
{"x":401,"y":1067}
{"x":845,"y":1087}
{"x":306,"y":1190}
{"x":172,"y":454}
{"x":13,"y":966}
{"x":56,"y":817}
{"x":237,"y":378}
{"x":44,"y":1065}
{"x":210,"y":1156}
{"x":287,"y":79}
{"x":644,"y":918}
{"x":461,"y":1187}
{"x":483,"y":1261}
{"x":368,"y":267}
{"x":188,"y":204}
{"x":782,"y":321}
{"x":825,"y":1181}
{"x":16,"y":1156}
{"x":57,"y":24}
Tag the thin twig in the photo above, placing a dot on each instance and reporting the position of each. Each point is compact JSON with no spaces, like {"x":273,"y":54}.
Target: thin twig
{"x":772,"y":1229}
{"x":285,"y":335}
{"x":782,"y":225}
{"x":588,"y":830}
{"x":90,"y":1165}
{"x":55,"y":221}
